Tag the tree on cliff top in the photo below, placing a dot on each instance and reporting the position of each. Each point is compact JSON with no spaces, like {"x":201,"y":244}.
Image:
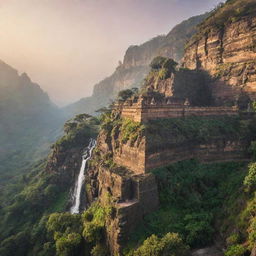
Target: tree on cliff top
{"x":126,"y":94}
{"x":165,"y":63}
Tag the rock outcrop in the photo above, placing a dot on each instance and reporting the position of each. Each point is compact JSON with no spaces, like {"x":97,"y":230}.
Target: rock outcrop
{"x":225,"y":47}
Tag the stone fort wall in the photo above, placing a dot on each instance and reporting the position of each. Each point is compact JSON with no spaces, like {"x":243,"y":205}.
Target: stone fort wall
{"x":152,"y":112}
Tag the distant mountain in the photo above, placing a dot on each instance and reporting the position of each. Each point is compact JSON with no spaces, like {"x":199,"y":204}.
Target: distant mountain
{"x":135,"y":65}
{"x":29,"y":122}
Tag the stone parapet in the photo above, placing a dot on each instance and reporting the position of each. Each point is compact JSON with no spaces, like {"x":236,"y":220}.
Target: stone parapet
{"x":151,"y":112}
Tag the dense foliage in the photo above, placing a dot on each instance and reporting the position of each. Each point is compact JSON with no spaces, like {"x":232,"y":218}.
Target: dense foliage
{"x":78,"y":234}
{"x":161,"y":69}
{"x":170,"y":244}
{"x":126,"y":129}
{"x":197,"y":130}
{"x":126,"y":94}
{"x":29,"y":124}
{"x":193,"y":197}
{"x":24,"y":210}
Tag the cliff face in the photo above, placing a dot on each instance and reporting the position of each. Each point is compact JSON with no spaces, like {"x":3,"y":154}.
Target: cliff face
{"x":128,"y":151}
{"x":134,"y":68}
{"x":225,"y":47}
{"x":112,"y":174}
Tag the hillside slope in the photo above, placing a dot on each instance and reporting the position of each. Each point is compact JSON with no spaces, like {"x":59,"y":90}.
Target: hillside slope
{"x":30,"y":122}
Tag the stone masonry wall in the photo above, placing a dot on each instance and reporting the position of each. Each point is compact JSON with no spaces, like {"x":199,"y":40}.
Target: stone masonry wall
{"x":131,"y":157}
{"x":135,"y":196}
{"x":214,"y":151}
{"x":151,"y":112}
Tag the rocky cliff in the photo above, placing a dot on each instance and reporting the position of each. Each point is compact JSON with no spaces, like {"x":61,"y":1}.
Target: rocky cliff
{"x":128,"y":151}
{"x":225,"y":47}
{"x":135,"y":66}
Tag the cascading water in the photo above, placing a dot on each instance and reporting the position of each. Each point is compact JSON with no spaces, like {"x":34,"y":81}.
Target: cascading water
{"x":80,"y":180}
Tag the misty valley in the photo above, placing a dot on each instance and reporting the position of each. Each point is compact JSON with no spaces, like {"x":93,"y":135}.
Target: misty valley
{"x":160,"y":160}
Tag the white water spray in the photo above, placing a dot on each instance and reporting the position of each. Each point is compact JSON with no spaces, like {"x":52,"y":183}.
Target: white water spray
{"x":80,"y":180}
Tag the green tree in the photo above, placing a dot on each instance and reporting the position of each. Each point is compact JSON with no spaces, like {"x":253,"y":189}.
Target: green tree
{"x":198,"y":228}
{"x":60,"y":222}
{"x":92,"y":232}
{"x":82,"y":117}
{"x":69,"y":126}
{"x":235,"y":250}
{"x":162,"y":62}
{"x":125,"y":94}
{"x":68,"y":244}
{"x":170,"y":245}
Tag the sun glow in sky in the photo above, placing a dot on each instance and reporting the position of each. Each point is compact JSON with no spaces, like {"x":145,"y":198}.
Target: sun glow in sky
{"x":67,"y":46}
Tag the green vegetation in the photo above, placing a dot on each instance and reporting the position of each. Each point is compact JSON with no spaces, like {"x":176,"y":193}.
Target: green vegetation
{"x":224,"y":14}
{"x":126,"y":94}
{"x":201,"y":202}
{"x":159,"y":63}
{"x":78,"y":130}
{"x":235,"y":250}
{"x":193,"y":85}
{"x":131,"y":131}
{"x":196,"y":130}
{"x":170,"y":244}
{"x":161,"y":68}
{"x":30,"y":123}
{"x":45,"y":189}
{"x":72,"y":234}
{"x":65,"y":229}
{"x":193,"y":197}
{"x":125,"y":129}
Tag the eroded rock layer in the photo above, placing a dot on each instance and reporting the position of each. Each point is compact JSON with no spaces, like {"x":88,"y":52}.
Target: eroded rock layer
{"x":227,"y":51}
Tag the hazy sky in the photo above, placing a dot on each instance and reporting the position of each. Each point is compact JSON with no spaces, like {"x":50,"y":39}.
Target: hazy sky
{"x":67,"y":46}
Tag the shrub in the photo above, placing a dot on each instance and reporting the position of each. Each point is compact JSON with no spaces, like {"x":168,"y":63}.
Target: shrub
{"x":252,"y":232}
{"x":99,"y":250}
{"x":235,"y":250}
{"x":161,"y":68}
{"x":170,"y":244}
{"x":68,"y":245}
{"x":60,"y":222}
{"x":250,"y":179}
{"x":94,"y":222}
{"x":233,"y":239}
{"x":198,"y":228}
{"x":92,"y":232}
{"x":131,"y":130}
{"x":157,"y":62}
{"x":125,"y":94}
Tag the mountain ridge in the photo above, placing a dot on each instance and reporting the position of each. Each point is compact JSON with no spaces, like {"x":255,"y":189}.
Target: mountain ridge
{"x":135,"y":66}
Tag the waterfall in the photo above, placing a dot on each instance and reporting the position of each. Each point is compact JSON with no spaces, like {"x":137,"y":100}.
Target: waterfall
{"x":80,"y":180}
